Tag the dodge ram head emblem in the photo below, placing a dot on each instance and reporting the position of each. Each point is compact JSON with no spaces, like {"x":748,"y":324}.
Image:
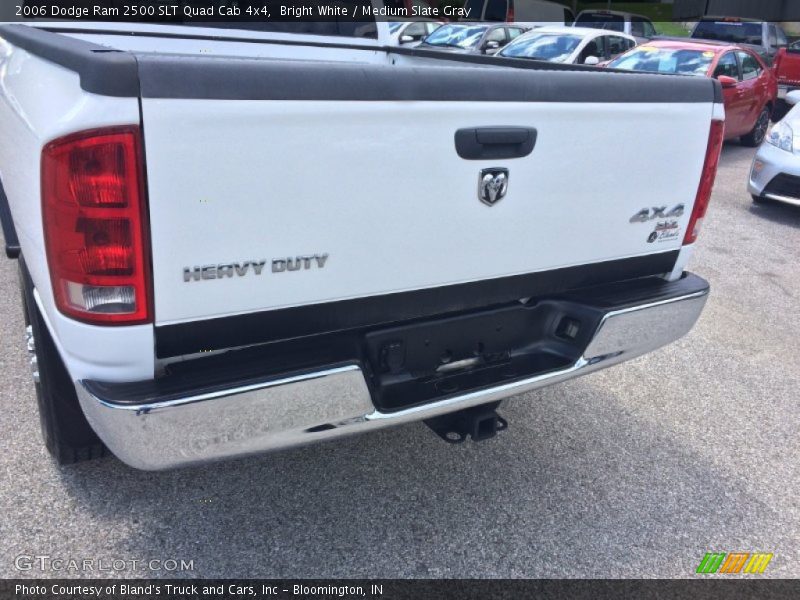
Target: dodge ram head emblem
{"x":492,"y":185}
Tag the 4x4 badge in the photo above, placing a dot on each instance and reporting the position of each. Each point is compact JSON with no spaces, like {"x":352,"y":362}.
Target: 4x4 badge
{"x":657,"y":212}
{"x":492,"y":185}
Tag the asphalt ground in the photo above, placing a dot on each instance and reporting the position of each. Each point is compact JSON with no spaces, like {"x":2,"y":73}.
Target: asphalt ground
{"x":636,"y":471}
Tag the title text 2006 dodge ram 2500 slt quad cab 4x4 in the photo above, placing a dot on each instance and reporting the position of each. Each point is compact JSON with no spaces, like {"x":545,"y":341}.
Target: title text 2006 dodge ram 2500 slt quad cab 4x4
{"x":236,"y":241}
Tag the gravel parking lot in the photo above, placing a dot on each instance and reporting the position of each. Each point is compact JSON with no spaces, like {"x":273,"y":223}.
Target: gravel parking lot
{"x":636,"y":471}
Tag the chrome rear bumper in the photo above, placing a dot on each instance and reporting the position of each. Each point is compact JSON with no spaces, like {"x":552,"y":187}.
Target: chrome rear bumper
{"x":280,"y":412}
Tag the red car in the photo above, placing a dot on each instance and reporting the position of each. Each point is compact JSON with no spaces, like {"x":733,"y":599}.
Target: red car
{"x":749,"y":86}
{"x":787,"y":69}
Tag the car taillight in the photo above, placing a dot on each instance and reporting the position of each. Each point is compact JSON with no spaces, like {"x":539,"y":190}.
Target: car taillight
{"x":510,"y":13}
{"x":95,"y":227}
{"x":715,"y":139}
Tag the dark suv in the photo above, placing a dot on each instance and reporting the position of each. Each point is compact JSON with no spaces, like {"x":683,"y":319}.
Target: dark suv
{"x":761,"y":36}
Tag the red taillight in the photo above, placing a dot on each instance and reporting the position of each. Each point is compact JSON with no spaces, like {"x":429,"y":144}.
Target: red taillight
{"x":510,"y":13}
{"x":715,"y":139}
{"x":95,"y":227}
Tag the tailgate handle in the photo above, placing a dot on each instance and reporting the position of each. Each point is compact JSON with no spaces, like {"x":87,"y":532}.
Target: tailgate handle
{"x":477,"y":143}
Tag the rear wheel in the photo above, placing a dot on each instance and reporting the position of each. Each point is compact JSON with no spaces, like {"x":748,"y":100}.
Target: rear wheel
{"x":759,"y":132}
{"x":67,"y":435}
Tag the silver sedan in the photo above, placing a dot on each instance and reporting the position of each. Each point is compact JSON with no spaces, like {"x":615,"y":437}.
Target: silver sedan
{"x":775,"y":174}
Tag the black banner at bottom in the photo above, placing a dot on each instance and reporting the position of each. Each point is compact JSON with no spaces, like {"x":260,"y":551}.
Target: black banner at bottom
{"x":391,"y":589}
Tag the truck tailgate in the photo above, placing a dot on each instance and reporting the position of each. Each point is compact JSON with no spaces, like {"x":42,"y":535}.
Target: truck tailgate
{"x":274,"y":186}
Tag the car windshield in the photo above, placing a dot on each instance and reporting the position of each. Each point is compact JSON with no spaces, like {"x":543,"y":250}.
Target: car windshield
{"x":665,"y":60}
{"x":725,"y":31}
{"x":553,"y":47}
{"x":601,"y":21}
{"x":456,"y":36}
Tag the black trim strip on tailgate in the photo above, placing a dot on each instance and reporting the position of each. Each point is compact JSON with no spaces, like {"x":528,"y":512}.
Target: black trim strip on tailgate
{"x":116,"y":73}
{"x":315,"y":319}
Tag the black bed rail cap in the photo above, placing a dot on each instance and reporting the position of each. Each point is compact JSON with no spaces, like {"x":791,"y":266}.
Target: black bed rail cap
{"x":102,"y":70}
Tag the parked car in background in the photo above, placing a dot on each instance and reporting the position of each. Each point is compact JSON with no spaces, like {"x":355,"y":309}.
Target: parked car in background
{"x":411,"y":33}
{"x":471,"y":38}
{"x":749,"y":87}
{"x":787,"y":71}
{"x":775,"y":174}
{"x":638,"y":26}
{"x":573,"y":45}
{"x":762,"y":37}
{"x":529,"y":13}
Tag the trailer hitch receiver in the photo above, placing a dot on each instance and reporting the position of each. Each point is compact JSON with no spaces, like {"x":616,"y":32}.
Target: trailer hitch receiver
{"x":480,"y":423}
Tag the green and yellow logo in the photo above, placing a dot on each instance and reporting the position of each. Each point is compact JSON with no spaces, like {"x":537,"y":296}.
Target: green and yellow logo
{"x":734,"y":562}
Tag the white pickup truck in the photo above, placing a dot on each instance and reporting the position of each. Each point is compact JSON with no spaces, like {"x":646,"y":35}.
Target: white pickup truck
{"x":234,"y":241}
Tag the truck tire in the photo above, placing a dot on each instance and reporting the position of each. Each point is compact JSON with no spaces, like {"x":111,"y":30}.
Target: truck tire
{"x":759,"y":132}
{"x":67,"y":434}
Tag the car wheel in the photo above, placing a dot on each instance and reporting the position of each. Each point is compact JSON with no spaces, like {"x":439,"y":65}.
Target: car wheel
{"x":759,"y":132}
{"x":67,"y":434}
